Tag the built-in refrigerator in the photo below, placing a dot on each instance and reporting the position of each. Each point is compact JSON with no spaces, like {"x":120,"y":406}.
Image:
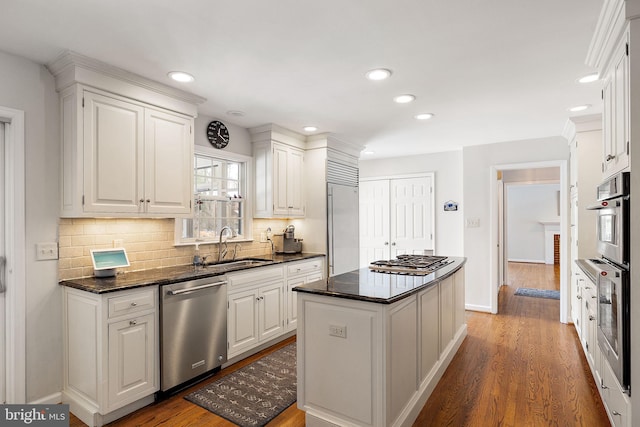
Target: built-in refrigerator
{"x":342,"y":225}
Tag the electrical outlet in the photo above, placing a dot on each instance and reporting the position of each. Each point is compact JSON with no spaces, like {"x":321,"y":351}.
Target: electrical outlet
{"x":117,"y":243}
{"x":339,"y":331}
{"x":46,"y":251}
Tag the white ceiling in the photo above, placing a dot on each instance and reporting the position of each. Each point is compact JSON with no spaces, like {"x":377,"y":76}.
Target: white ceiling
{"x":490,"y":70}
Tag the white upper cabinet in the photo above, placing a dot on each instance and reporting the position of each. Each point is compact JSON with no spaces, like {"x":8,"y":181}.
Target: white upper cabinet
{"x":279,"y":173}
{"x":615,"y":96}
{"x":127,"y":142}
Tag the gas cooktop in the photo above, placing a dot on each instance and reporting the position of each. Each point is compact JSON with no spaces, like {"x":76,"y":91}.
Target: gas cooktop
{"x":414,"y":265}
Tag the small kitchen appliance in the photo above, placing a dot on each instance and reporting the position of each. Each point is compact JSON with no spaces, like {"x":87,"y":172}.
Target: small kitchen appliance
{"x":286,"y":243}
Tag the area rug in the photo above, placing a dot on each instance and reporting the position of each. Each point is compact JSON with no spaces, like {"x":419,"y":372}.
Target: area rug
{"x":538,"y":293}
{"x":255,"y":394}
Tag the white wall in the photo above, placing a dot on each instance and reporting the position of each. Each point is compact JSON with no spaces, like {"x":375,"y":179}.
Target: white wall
{"x":477,"y":180}
{"x":27,"y":86}
{"x":447,"y":167}
{"x":239,"y":137}
{"x":527,"y":205}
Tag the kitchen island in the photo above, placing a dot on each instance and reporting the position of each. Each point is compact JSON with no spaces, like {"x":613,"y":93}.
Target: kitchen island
{"x":372,"y":346}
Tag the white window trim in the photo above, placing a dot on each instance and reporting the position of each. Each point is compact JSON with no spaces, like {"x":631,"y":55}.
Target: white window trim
{"x":248,"y":198}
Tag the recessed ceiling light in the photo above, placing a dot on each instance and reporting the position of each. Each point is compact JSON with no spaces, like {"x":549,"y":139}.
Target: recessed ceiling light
{"x":369,"y":152}
{"x":423,"y":116}
{"x":310,"y":128}
{"x":579,"y":108}
{"x":378,"y":74}
{"x":236,"y":113}
{"x":403,"y":99}
{"x":589,"y":78}
{"x":181,"y":76}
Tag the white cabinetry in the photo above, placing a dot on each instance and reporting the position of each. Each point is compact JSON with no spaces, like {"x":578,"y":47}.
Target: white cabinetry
{"x":299,"y":273}
{"x":396,"y":217}
{"x":256,"y":307}
{"x":261,"y":303}
{"x":381,"y":371}
{"x":615,"y":97}
{"x":127,"y":142}
{"x":615,"y":401}
{"x":278,"y":158}
{"x":128,"y":159}
{"x":110,"y":352}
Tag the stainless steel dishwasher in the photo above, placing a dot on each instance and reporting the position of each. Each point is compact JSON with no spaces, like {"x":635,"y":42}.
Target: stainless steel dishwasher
{"x":193,"y":329}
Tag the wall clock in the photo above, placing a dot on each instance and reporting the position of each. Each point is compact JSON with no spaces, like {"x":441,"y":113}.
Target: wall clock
{"x":218,"y":134}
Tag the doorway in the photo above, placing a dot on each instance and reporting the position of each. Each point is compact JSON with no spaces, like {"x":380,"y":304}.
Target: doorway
{"x":530,"y":173}
{"x":12,"y":258}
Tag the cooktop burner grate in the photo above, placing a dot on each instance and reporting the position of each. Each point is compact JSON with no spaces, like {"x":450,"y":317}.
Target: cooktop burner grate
{"x":410,"y":264}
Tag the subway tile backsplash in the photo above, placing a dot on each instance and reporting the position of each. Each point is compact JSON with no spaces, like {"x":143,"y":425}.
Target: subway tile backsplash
{"x":150,"y":243}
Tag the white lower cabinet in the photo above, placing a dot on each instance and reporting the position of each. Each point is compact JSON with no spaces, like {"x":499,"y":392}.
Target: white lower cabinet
{"x":111,"y":358}
{"x":299,"y":273}
{"x":615,"y":401}
{"x":262,"y":303}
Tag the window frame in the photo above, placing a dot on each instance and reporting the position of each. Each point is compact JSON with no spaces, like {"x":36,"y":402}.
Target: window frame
{"x":247,"y":199}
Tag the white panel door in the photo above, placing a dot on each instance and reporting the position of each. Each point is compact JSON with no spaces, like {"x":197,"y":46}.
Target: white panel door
{"x":3,"y":276}
{"x":168,"y":163}
{"x":374,"y":221}
{"x":271,"y":311}
{"x":280,"y":202}
{"x":113,"y":152}
{"x":410,"y":216}
{"x":242,"y":327}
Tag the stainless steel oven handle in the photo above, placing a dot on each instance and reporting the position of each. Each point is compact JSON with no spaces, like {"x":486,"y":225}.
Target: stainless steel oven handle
{"x":610,"y":204}
{"x":196,"y":288}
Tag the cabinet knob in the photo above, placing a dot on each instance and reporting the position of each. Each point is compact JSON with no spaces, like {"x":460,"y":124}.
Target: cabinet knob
{"x":610,"y":157}
{"x":133,"y":322}
{"x":148,"y":201}
{"x":602,"y":386}
{"x":614,"y":412}
{"x":393,"y":244}
{"x":141,"y":201}
{"x":591,"y":317}
{"x":258,"y":299}
{"x":578,"y":296}
{"x":134,"y":304}
{"x":386,"y":243}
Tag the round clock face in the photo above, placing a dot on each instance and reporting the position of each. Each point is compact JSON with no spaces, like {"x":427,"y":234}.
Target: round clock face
{"x":218,"y":134}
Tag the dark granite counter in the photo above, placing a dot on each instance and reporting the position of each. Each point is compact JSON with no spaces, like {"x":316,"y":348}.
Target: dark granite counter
{"x":382,"y":288}
{"x":168,"y":275}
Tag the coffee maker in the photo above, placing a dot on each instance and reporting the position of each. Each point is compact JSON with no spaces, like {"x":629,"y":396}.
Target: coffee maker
{"x":286,"y":243}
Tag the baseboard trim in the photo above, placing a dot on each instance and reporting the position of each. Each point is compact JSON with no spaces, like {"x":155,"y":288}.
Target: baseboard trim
{"x":52,"y":399}
{"x":528,"y":261}
{"x":474,"y":307}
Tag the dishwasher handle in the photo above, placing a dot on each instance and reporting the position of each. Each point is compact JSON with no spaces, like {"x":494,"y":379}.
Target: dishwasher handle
{"x":196,"y":288}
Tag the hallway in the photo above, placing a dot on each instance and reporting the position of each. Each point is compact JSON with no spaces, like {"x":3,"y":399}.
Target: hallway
{"x":521,"y":367}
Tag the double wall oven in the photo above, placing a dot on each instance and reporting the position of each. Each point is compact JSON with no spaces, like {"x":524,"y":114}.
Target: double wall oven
{"x":612,"y":275}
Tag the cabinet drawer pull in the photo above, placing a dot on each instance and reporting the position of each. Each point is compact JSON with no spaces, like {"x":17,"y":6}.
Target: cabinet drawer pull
{"x":133,"y":322}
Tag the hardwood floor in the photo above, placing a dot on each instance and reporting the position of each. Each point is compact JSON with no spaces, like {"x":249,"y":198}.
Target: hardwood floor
{"x":521,"y":367}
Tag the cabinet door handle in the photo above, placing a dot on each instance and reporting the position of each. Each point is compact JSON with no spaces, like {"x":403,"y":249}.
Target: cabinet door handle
{"x":614,"y":412}
{"x":591,"y":317}
{"x":602,"y":386}
{"x":133,"y":322}
{"x":610,"y":157}
{"x":578,"y":296}
{"x":134,"y":304}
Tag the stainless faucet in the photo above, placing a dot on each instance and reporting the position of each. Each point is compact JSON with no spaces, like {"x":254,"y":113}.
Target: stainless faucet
{"x":223,"y":252}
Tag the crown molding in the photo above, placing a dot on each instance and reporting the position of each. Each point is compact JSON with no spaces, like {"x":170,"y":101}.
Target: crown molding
{"x":71,"y":67}
{"x":609,"y":30}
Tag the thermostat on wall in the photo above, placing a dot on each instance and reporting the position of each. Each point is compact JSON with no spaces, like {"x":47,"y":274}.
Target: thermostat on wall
{"x":105,"y":261}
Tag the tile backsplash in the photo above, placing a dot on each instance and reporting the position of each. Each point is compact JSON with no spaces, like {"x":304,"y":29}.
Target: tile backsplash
{"x":150,"y":243}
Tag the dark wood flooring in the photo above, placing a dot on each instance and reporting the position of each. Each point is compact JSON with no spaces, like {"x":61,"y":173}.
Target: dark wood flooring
{"x":521,"y":367}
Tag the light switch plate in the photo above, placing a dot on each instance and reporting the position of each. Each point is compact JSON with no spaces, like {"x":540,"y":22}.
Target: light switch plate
{"x":338,"y":331}
{"x":46,"y":251}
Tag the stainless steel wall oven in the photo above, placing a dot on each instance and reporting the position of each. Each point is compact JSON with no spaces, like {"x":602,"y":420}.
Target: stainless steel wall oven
{"x":613,"y":278}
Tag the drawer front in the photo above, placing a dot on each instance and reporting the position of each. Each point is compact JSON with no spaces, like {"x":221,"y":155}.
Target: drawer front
{"x":305,"y":267}
{"x":254,"y":277}
{"x":615,"y":401}
{"x":133,"y":302}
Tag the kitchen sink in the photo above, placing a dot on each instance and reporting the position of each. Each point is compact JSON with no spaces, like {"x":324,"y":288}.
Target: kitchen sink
{"x":246,"y":262}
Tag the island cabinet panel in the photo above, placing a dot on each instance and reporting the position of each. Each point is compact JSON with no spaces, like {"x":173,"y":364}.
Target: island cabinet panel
{"x":374,"y":362}
{"x":344,"y":371}
{"x":429,"y":330}
{"x":403,"y":354}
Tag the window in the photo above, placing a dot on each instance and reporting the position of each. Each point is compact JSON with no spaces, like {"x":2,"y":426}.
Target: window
{"x":219,"y":200}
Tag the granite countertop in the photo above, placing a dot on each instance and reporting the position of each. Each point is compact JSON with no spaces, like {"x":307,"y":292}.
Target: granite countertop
{"x":382,"y":288}
{"x":168,"y":275}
